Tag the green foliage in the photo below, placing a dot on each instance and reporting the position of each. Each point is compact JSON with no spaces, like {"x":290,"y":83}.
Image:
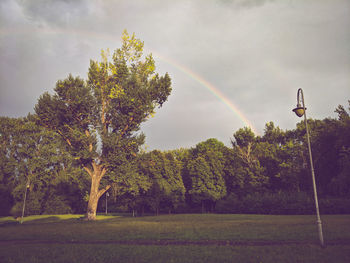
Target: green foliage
{"x":205,"y":172}
{"x":282,"y":203}
{"x":57,"y":205}
{"x":340,"y":184}
{"x":243,"y":137}
{"x":247,"y":172}
{"x":164,"y":172}
{"x":99,"y":119}
{"x":35,"y":156}
{"x":268,"y":203}
{"x":117,"y":97}
{"x":199,"y":171}
{"x":94,"y":125}
{"x":273,"y":135}
{"x":130,"y":185}
{"x":7,"y":164}
{"x":6,"y":200}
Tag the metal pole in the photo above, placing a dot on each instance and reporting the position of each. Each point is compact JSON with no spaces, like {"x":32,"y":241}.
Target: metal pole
{"x":319,"y":223}
{"x":24,"y":202}
{"x":106,"y":201}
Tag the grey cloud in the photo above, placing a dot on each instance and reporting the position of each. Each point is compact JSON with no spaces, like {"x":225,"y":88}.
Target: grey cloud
{"x":245,"y":3}
{"x":54,"y":12}
{"x":257,"y":53}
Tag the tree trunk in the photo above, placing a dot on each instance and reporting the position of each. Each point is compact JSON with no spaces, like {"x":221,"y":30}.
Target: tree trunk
{"x":96,"y":175}
{"x":93,"y":199}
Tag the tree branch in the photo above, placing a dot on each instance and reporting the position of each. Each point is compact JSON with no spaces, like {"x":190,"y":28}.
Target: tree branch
{"x":87,"y":133}
{"x":64,"y":137}
{"x":104,"y":170}
{"x":127,"y":126}
{"x":88,"y":170}
{"x":102,"y":191}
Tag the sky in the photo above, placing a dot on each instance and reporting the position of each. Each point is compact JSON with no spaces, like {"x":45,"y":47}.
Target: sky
{"x":233,"y":63}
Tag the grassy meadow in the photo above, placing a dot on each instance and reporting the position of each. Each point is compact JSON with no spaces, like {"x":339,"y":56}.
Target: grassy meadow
{"x":174,"y":238}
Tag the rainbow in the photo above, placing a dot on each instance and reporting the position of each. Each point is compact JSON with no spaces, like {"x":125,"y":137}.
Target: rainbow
{"x":210,"y":87}
{"x":190,"y":73}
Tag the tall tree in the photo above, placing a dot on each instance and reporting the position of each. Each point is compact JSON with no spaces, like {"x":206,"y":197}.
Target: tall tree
{"x":273,"y":135}
{"x":340,"y":184}
{"x":167,"y":190}
{"x":99,"y":119}
{"x":280,"y":156}
{"x":206,"y":173}
{"x":248,"y":171}
{"x":243,"y":137}
{"x":131,"y":185}
{"x":7,"y":163}
{"x":36,"y":158}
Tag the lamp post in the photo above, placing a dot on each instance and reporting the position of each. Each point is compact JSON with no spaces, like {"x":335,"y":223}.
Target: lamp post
{"x":300,"y":110}
{"x":25,"y":197}
{"x":107,"y":194}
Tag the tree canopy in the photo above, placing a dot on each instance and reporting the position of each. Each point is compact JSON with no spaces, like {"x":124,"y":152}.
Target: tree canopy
{"x":99,"y":118}
{"x":268,"y":173}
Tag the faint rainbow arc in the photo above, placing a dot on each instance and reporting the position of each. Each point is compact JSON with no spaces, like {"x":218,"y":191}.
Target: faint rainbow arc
{"x":213,"y":90}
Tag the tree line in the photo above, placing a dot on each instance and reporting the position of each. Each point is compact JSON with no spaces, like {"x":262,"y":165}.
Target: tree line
{"x":84,"y":141}
{"x":256,"y":174}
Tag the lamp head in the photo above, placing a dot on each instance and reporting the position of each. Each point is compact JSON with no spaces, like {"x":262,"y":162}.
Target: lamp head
{"x":299,"y":111}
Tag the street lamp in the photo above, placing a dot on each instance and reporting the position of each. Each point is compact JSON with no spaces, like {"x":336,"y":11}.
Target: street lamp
{"x":300,"y":110}
{"x":25,"y":197}
{"x":107,"y":194}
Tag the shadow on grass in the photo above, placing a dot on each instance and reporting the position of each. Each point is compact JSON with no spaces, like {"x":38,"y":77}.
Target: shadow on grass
{"x":8,"y":223}
{"x":49,"y":219}
{"x":44,"y":219}
{"x":36,"y":220}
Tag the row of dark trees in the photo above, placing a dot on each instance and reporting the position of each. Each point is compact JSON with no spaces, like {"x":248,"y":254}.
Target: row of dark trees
{"x":267,"y":174}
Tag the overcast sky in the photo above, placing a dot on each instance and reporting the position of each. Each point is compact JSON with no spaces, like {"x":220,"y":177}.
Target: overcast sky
{"x":255,"y":53}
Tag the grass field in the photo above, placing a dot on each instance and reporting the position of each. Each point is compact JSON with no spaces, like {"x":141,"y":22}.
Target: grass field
{"x":174,"y":238}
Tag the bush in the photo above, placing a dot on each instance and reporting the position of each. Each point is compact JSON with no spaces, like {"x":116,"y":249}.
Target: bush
{"x":285,"y":203}
{"x":6,"y":201}
{"x":32,"y":207}
{"x":54,"y":205}
{"x":57,"y":205}
{"x":16,"y":210}
{"x":334,"y":206}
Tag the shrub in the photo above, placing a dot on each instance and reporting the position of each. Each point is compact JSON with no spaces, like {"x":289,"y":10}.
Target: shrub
{"x":32,"y":207}
{"x":286,"y":203}
{"x":6,"y":201}
{"x":16,"y":210}
{"x":57,"y":205}
{"x":334,"y":206}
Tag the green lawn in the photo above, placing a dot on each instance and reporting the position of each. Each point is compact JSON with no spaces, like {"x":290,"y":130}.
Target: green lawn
{"x":174,"y":238}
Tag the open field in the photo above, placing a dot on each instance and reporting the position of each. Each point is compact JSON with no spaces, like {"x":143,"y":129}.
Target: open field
{"x":175,"y":238}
